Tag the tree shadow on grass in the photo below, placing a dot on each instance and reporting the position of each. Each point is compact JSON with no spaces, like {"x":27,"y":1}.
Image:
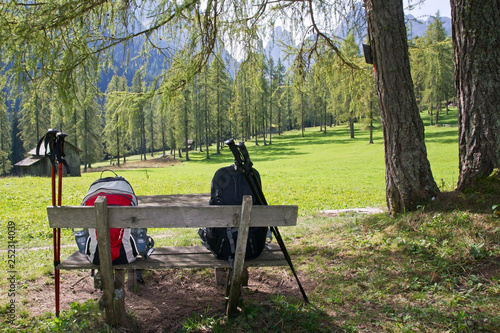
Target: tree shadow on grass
{"x":442,"y":137}
{"x":479,"y":199}
{"x":256,"y":154}
{"x":381,"y":289}
{"x":280,"y":148}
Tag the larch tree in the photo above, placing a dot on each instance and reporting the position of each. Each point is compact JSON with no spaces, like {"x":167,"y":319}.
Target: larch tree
{"x":409,"y":180}
{"x":138,"y":113}
{"x":89,"y":125}
{"x":438,"y":68}
{"x":219,"y":85}
{"x":35,"y":116}
{"x":277,"y":94}
{"x":5,"y":139}
{"x":476,"y":44}
{"x":116,"y":117}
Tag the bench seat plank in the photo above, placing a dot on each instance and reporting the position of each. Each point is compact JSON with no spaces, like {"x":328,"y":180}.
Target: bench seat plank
{"x":179,"y":257}
{"x":172,"y":216}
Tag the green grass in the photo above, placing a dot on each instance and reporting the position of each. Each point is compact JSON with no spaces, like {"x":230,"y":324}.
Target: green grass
{"x":418,"y":272}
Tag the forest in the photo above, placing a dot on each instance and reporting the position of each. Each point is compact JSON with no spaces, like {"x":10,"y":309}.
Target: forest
{"x":252,"y":99}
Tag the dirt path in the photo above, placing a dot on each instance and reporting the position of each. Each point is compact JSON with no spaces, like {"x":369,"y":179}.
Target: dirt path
{"x":168,"y":297}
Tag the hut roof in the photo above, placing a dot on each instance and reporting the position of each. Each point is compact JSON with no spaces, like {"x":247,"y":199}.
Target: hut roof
{"x":29,"y":161}
{"x":42,"y":149}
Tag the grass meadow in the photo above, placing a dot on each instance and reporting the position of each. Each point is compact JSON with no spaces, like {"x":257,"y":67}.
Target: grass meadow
{"x":419,"y":272}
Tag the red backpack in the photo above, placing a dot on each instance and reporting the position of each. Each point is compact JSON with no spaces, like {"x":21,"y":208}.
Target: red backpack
{"x":118,"y":192}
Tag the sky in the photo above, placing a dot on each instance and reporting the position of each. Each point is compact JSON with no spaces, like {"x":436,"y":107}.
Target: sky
{"x":429,"y":7}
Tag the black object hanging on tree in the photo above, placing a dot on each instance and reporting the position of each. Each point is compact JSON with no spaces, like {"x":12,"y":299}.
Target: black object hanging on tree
{"x":367,"y":51}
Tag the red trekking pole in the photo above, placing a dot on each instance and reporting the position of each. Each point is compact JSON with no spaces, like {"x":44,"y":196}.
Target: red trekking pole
{"x":53,"y":142}
{"x":56,"y":232}
{"x":59,"y":153}
{"x":49,"y":142}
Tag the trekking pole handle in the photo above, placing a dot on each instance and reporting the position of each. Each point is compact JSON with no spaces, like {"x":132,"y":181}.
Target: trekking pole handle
{"x":59,"y":150}
{"x":244,"y":153}
{"x":48,"y":139}
{"x":60,"y":144}
{"x":252,"y":178}
{"x":52,"y":136}
{"x":235,"y":151}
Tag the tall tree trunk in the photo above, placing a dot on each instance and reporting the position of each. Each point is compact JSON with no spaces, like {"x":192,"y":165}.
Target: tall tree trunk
{"x":436,"y":119}
{"x":263,"y":108}
{"x":325,"y":116}
{"x":302,"y":113}
{"x":270,"y":115}
{"x":351,"y":125}
{"x":143,"y":129}
{"x":255,"y":126}
{"x":371,"y":132}
{"x":117,"y":145}
{"x":371,"y":121}
{"x":207,"y":121}
{"x":218,"y":116}
{"x":163,"y":139}
{"x":476,"y":37}
{"x":151,"y":128}
{"x":409,"y":180}
{"x":264,"y":130}
{"x":86,"y":146}
{"x":186,"y":123}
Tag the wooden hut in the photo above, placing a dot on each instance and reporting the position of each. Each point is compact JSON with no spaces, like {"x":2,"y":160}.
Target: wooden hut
{"x":190,"y":145}
{"x":39,"y":165}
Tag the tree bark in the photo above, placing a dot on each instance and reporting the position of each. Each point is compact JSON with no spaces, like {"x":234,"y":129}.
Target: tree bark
{"x":476,"y":44}
{"x":409,"y":180}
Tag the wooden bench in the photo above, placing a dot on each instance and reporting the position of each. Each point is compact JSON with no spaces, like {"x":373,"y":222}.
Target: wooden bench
{"x":169,"y":211}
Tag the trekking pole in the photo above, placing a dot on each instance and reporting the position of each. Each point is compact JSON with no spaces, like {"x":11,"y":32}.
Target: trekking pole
{"x":256,"y":188}
{"x":59,"y":154}
{"x":49,"y":141}
{"x":238,"y":161}
{"x":61,"y":161}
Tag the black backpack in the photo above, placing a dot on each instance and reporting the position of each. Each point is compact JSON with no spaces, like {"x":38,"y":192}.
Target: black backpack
{"x":228,"y":188}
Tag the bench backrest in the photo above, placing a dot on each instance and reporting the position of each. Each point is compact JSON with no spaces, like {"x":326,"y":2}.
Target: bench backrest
{"x":172,"y":216}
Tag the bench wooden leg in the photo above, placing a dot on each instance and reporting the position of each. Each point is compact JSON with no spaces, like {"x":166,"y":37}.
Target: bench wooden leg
{"x":227,"y":280}
{"x":131,"y":279}
{"x":239,"y":260}
{"x":112,"y":281}
{"x":220,"y":276}
{"x":119,"y":297}
{"x":244,"y":277}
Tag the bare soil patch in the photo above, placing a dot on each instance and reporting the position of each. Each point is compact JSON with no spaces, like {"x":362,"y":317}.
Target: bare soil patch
{"x":168,"y":297}
{"x":152,"y":162}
